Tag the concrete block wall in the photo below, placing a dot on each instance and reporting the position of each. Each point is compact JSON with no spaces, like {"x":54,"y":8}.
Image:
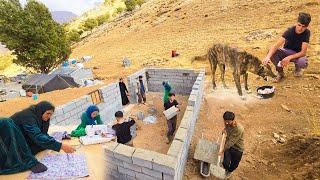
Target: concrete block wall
{"x":181,"y":80}
{"x":70,"y":113}
{"x":180,"y":146}
{"x":125,"y":162}
{"x":111,"y":102}
{"x":132,"y":84}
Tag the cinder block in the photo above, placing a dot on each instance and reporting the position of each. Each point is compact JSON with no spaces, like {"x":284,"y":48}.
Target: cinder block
{"x":124,"y":153}
{"x":130,"y":177}
{"x":109,"y":148}
{"x":192,"y":100}
{"x":111,"y":167}
{"x":164,"y":163}
{"x":171,"y":112}
{"x":152,"y":173}
{"x":125,"y":171}
{"x":132,"y":167}
{"x":142,"y":176}
{"x":196,"y":87}
{"x":112,"y":160}
{"x":168,"y":177}
{"x":68,"y":107}
{"x":175,"y":149}
{"x":143,"y":158}
{"x":185,"y":121}
{"x":181,"y":134}
{"x":58,"y":111}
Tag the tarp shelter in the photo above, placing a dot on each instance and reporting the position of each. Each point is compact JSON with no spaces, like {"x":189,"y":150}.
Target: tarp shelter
{"x":78,"y":74}
{"x":42,"y":83}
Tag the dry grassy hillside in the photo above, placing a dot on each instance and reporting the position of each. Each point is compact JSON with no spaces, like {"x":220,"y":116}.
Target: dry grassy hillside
{"x":191,"y":27}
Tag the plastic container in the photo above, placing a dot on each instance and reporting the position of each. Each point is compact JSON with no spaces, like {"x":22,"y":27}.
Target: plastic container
{"x":266,"y":96}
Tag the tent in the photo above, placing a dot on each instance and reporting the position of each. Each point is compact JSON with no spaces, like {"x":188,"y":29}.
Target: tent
{"x":42,"y":83}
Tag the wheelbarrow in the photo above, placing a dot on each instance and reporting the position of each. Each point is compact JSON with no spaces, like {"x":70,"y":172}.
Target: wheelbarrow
{"x":207,"y":153}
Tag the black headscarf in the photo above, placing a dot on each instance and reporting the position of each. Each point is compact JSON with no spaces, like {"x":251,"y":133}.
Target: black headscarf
{"x":33,"y":116}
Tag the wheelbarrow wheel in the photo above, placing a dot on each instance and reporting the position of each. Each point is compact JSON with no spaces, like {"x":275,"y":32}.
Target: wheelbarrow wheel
{"x":205,"y":169}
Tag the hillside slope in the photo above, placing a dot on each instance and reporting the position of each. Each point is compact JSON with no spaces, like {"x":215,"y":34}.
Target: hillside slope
{"x":191,"y":26}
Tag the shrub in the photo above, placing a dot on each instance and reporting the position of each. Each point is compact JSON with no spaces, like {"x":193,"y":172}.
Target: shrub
{"x":119,"y":10}
{"x":140,"y":2}
{"x":130,"y":4}
{"x":89,"y":24}
{"x":73,"y":36}
{"x":103,"y":18}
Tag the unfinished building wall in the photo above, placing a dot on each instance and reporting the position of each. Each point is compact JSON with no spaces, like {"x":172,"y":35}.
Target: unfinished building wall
{"x":180,"y":145}
{"x":70,"y":113}
{"x":181,"y":80}
{"x":111,"y":102}
{"x":125,"y":162}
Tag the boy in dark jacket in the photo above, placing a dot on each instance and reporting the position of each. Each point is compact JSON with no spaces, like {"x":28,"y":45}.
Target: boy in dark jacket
{"x":122,"y":129}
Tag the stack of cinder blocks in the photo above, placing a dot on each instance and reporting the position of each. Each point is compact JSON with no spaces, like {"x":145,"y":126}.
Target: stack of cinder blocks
{"x":71,"y":112}
{"x":181,"y":80}
{"x":125,"y":162}
{"x":111,"y":102}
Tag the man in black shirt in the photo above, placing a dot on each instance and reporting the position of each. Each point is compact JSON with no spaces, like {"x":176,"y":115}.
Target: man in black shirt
{"x":295,"y":42}
{"x":172,"y":123}
{"x":122,"y":129}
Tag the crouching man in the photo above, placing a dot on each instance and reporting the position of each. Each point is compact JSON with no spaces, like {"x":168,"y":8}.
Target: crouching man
{"x":233,"y":147}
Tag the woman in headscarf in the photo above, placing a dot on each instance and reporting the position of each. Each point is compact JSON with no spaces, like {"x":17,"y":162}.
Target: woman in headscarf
{"x":123,"y":92}
{"x":90,"y":117}
{"x":167,"y":90}
{"x":24,"y":135}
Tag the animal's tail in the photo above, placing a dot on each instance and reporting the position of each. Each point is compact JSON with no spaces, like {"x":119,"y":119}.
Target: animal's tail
{"x":199,"y":58}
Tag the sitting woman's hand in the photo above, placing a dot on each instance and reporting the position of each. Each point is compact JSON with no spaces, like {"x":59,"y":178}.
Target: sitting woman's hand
{"x":67,"y":148}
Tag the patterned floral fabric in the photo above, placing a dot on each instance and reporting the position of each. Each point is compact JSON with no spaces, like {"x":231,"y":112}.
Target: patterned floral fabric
{"x":63,"y":166}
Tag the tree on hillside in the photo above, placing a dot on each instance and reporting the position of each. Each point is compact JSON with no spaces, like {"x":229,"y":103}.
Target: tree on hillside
{"x":130,"y":4}
{"x":89,"y":24}
{"x":34,"y":37}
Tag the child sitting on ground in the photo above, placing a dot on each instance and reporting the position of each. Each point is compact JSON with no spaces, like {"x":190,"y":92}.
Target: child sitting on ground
{"x":122,"y":129}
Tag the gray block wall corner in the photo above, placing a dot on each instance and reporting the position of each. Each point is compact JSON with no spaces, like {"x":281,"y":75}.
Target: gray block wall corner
{"x":124,"y":162}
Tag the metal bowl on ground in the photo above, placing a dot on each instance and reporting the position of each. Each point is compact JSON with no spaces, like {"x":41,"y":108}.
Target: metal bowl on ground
{"x":266,"y":95}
